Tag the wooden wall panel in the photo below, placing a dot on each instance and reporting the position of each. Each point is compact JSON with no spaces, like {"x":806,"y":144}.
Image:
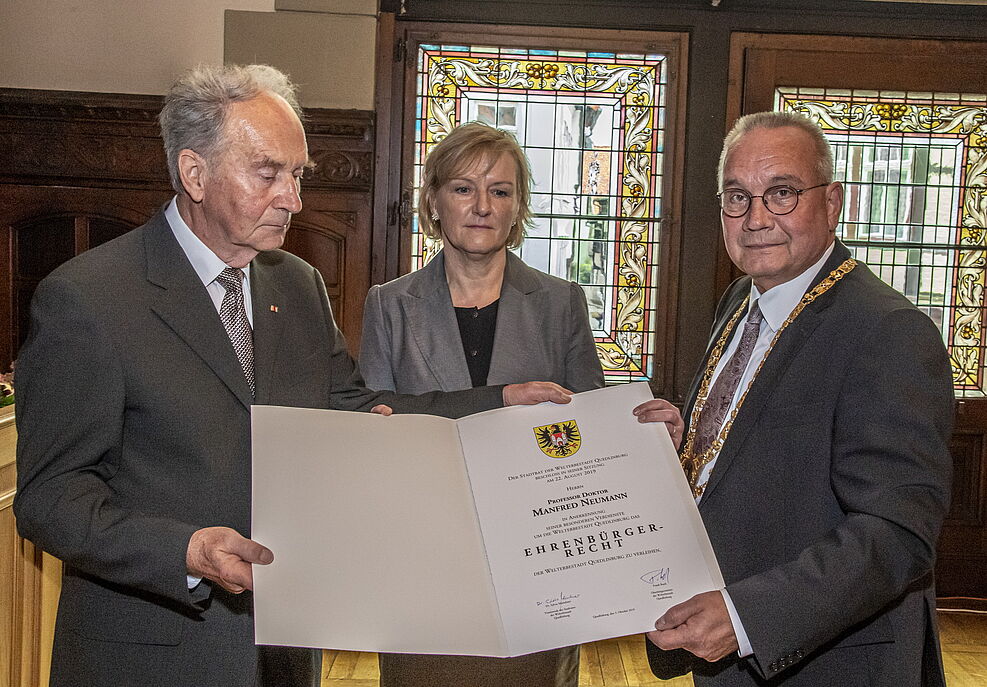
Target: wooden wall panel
{"x":95,"y":161}
{"x":28,"y":585}
{"x":9,"y":553}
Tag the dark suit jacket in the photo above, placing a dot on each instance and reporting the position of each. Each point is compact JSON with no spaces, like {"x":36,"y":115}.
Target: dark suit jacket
{"x":411,"y":340}
{"x":133,"y":422}
{"x":825,"y":503}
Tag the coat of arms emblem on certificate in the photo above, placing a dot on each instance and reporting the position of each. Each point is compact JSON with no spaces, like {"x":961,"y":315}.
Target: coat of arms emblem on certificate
{"x":559,"y":439}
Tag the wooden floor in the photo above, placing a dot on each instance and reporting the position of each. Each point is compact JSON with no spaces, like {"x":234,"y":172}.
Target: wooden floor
{"x":622,"y":663}
{"x":964,"y":648}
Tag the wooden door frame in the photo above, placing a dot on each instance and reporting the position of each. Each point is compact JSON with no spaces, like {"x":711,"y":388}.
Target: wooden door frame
{"x":759,"y":63}
{"x":398,"y":41}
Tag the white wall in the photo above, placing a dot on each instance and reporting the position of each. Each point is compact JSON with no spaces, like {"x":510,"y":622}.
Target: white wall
{"x":327,"y":46}
{"x":114,"y":46}
{"x":141,"y":46}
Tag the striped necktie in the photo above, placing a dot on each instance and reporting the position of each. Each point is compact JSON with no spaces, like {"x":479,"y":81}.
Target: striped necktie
{"x":234,"y":316}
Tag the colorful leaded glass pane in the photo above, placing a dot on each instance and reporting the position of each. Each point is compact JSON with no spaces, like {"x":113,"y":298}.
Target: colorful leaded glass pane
{"x":592,"y":125}
{"x":914,"y":166}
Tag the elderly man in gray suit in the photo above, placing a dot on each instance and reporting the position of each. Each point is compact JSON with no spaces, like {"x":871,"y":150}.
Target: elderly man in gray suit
{"x":134,"y":391}
{"x":816,"y":446}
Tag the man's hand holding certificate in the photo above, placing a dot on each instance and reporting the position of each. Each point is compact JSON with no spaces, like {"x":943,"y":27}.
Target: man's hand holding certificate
{"x":503,"y":533}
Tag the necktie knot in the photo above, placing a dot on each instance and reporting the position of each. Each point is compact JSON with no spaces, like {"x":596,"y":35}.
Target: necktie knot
{"x":231,"y":279}
{"x":755,"y":316}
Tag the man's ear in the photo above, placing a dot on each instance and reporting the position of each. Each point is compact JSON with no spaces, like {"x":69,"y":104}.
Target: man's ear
{"x":834,"y":204}
{"x":192,"y":171}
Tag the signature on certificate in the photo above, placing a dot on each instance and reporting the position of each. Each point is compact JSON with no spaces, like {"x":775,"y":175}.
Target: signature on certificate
{"x":557,"y":600}
{"x":656,"y":578}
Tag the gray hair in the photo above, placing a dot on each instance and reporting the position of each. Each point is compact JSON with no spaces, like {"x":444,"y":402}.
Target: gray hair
{"x":195,"y":107}
{"x":777,"y":120}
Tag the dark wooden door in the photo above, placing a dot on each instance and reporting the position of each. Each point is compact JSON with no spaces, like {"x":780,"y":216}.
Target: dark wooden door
{"x":906,"y":70}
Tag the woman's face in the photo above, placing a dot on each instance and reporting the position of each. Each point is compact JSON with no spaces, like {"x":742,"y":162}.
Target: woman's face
{"x":478,"y":206}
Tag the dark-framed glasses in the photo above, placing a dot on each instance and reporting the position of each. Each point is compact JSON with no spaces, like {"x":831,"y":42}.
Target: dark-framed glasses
{"x":779,"y":200}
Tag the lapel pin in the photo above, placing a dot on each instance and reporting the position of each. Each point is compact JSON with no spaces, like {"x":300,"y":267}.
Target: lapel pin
{"x":274,"y":308}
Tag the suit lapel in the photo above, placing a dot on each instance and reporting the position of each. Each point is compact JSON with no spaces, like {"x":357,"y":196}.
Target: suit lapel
{"x":184,"y":305}
{"x":763,"y":388}
{"x":516,"y":299}
{"x":775,"y":366}
{"x":269,"y":310}
{"x":434,"y":326}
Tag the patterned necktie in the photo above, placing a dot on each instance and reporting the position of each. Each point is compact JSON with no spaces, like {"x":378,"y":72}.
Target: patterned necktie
{"x":234,"y":317}
{"x":721,"y":394}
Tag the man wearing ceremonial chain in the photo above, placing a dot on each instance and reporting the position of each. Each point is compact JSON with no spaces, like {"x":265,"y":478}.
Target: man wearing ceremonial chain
{"x":816,"y":444}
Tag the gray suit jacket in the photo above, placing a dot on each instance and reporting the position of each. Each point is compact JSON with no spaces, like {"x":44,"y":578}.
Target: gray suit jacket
{"x":826,"y":501}
{"x":134,"y":431}
{"x":411,"y":339}
{"x":411,"y":344}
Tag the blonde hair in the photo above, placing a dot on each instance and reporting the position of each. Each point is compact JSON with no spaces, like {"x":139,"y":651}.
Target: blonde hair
{"x":462,"y":148}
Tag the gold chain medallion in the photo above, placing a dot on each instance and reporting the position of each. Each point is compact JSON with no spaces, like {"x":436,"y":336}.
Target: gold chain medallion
{"x":693,"y":464}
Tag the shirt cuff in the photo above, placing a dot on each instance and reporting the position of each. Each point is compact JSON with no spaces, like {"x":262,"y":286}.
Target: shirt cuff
{"x":194,"y":581}
{"x":738,"y":628}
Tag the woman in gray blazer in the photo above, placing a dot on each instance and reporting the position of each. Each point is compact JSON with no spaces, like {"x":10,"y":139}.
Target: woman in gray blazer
{"x":476,"y":315}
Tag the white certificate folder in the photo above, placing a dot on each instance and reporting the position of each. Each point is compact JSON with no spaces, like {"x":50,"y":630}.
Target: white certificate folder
{"x":503,"y":533}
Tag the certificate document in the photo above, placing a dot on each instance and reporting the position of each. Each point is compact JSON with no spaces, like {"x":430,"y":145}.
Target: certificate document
{"x":503,"y":533}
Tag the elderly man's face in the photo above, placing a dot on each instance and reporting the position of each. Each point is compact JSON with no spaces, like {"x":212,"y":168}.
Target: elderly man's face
{"x":774,"y":249}
{"x":251,"y":187}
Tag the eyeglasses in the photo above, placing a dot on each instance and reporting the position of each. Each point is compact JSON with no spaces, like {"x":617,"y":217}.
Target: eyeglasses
{"x":779,"y":200}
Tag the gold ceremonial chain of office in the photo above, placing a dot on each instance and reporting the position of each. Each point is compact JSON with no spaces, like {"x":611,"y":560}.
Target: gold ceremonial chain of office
{"x":697,"y":463}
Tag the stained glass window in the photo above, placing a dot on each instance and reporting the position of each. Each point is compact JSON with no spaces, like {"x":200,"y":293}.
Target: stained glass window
{"x":593,"y":126}
{"x":915,"y":169}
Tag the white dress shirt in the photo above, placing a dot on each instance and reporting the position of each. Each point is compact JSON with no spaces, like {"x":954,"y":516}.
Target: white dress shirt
{"x":207,"y":266}
{"x":776,"y":305}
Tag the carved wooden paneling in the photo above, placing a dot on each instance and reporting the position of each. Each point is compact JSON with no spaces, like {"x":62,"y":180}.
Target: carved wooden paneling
{"x":51,"y":224}
{"x":342,"y":147}
{"x":967,"y":507}
{"x":84,"y":139}
{"x":332,"y":232}
{"x":95,"y":161}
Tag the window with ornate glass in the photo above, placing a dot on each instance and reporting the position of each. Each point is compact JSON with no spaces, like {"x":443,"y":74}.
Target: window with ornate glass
{"x":914,"y":166}
{"x":595,"y":125}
